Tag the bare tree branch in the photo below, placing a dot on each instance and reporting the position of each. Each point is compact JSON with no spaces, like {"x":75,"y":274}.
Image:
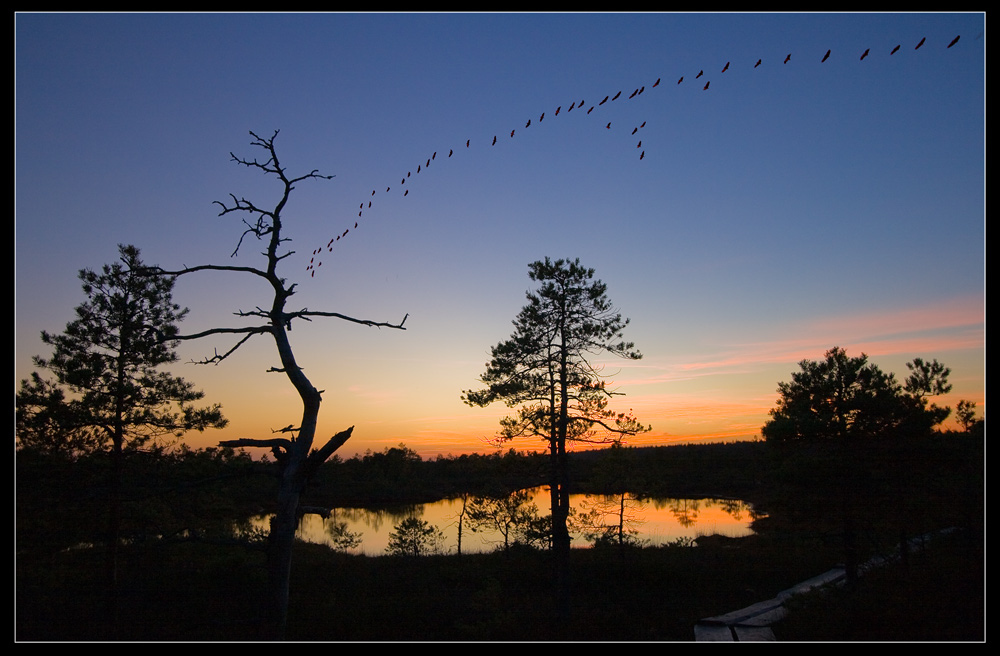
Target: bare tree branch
{"x":320,"y":455}
{"x":203,"y":267}
{"x":304,"y":314}
{"x":243,"y":442}
{"x":217,"y":358}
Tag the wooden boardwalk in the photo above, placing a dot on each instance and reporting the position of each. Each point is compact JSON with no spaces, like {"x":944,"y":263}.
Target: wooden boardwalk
{"x":753,"y":623}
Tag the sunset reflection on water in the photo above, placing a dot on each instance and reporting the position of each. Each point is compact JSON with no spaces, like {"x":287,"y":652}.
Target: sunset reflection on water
{"x":656,"y":522}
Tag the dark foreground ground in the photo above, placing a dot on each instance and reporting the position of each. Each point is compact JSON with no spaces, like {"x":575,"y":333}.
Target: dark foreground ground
{"x":177,"y":589}
{"x":939,"y":596}
{"x":201,"y":592}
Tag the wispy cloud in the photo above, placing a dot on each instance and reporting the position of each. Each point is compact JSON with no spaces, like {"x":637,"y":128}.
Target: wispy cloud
{"x":950,"y":325}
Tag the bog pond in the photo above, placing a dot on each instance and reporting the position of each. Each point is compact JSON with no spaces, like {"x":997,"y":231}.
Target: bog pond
{"x":654,"y":522}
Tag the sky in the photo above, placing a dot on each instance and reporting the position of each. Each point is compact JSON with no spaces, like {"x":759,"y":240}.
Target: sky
{"x":744,"y":217}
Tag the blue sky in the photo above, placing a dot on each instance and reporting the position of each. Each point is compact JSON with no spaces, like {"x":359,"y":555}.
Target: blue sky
{"x":788,"y":208}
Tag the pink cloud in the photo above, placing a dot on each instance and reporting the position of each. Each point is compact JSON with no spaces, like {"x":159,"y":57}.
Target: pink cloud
{"x":949,"y":325}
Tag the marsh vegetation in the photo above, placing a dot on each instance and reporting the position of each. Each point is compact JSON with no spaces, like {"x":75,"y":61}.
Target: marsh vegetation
{"x":185,"y":576}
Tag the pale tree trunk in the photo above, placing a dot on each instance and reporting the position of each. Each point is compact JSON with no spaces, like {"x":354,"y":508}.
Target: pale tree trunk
{"x":298,"y":466}
{"x":298,"y":463}
{"x":280,"y":543}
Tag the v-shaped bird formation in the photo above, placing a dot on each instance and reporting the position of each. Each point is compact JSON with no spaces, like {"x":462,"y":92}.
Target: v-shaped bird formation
{"x":317,"y":253}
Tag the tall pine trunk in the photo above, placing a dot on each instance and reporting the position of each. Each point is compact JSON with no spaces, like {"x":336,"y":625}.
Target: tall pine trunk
{"x":114,"y":534}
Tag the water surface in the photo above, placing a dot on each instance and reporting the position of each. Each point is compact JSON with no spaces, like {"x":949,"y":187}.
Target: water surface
{"x":655,"y":522}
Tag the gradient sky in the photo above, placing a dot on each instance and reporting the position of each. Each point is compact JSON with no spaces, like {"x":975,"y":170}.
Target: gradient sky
{"x":788,"y":208}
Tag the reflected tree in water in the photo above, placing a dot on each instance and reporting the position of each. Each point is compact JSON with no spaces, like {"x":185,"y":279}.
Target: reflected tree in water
{"x":511,"y":516}
{"x":685,"y":511}
{"x":613,"y":520}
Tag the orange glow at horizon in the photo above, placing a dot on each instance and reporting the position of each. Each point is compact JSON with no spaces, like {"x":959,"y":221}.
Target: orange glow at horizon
{"x":724,"y":394}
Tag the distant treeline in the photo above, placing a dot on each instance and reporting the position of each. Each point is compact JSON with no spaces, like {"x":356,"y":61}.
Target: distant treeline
{"x":61,"y":501}
{"x":398,"y":474}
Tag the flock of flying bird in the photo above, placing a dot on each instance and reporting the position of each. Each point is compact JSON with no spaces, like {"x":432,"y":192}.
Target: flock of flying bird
{"x":316,"y":260}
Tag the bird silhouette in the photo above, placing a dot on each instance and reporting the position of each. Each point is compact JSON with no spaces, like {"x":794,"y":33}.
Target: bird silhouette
{"x":680,"y":80}
{"x":467,"y":142}
{"x":406,"y":192}
{"x":825,"y":57}
{"x":657,"y":83}
{"x":921,"y":43}
{"x":494,"y":140}
{"x":641,"y":89}
{"x":608,"y":126}
{"x":643,"y":124}
{"x":953,"y":41}
{"x":387,"y":190}
{"x":511,"y":133}
{"x":616,"y":96}
{"x":757,"y":64}
{"x":528,"y":123}
{"x":434,"y":156}
{"x":557,"y":110}
{"x":894,"y":50}
{"x":642,"y":154}
{"x":603,"y":101}
{"x":418,"y":168}
{"x":542,"y":117}
{"x":373,"y":192}
{"x":726,"y":67}
{"x":590,"y":110}
{"x":700,"y":73}
{"x":635,"y":130}
{"x":864,"y":54}
{"x":633,"y":94}
{"x":639,"y":145}
{"x":706,"y":85}
{"x":450,"y":151}
{"x":571,"y":107}
{"x":788,"y":57}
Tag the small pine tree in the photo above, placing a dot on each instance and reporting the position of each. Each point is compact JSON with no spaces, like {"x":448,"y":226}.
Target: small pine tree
{"x":108,"y":392}
{"x":415,"y":537}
